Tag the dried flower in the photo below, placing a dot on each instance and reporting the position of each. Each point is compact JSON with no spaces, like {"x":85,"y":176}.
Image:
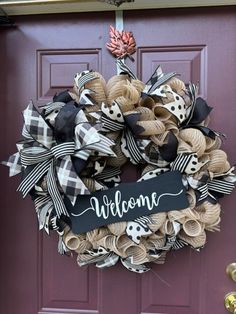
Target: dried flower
{"x":122,"y":43}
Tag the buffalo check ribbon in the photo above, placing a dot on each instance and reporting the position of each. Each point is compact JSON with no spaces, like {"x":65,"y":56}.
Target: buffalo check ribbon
{"x":41,"y":155}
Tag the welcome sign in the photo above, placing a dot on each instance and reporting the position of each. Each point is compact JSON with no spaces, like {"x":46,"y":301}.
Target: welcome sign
{"x":128,"y":201}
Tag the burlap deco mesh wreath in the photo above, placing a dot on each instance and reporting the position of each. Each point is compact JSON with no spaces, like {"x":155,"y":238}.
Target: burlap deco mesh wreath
{"x":78,"y":144}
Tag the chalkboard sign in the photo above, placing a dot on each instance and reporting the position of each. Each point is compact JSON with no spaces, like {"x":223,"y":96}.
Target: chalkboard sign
{"x":128,"y":201}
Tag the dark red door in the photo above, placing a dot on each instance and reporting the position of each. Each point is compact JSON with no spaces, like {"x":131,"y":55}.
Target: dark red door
{"x":40,"y":57}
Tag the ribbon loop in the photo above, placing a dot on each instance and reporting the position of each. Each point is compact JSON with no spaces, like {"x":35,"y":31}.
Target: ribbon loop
{"x":33,"y":155}
{"x":157,"y":79}
{"x":37,"y":127}
{"x":82,"y":78}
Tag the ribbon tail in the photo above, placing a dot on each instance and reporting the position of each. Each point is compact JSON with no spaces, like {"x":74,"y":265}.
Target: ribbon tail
{"x":157,"y":79}
{"x":221,"y":186}
{"x":43,"y":207}
{"x":33,"y":177}
{"x":61,"y":247}
{"x":192,"y":91}
{"x":206,"y":131}
{"x":203,"y":190}
{"x":59,"y":205}
{"x":108,"y":261}
{"x":127,"y":263}
{"x":124,"y":69}
{"x":168,"y":151}
{"x":69,"y":181}
{"x":130,"y":148}
{"x":200,"y":112}
{"x":48,"y":210}
{"x":56,"y":105}
{"x":14,"y":164}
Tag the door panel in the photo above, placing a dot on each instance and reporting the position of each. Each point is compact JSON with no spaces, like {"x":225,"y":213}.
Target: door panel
{"x":40,"y":57}
{"x":200,"y":45}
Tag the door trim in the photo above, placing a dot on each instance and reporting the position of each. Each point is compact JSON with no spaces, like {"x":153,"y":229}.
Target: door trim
{"x":24,"y":7}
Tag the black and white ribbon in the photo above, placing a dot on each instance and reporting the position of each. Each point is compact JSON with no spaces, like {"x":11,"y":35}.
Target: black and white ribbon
{"x":219,"y":186}
{"x":157,"y":79}
{"x":181,"y":162}
{"x":124,"y":69}
{"x":127,"y":263}
{"x":82,"y":78}
{"x":113,"y":120}
{"x":138,"y":228}
{"x":130,"y":148}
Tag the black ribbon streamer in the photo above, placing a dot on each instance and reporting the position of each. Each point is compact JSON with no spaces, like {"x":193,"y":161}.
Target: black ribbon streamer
{"x":65,"y":123}
{"x":63,"y":96}
{"x":199,"y":113}
{"x":168,"y":151}
{"x":131,"y":120}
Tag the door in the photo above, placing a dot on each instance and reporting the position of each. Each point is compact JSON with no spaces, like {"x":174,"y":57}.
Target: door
{"x":40,"y":57}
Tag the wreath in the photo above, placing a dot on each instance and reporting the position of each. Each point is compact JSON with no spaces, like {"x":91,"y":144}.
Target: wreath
{"x":74,"y":150}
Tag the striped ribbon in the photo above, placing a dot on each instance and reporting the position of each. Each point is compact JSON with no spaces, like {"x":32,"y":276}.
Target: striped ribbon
{"x":221,"y":186}
{"x":179,"y":244}
{"x":129,"y":145}
{"x":45,"y":164}
{"x":157,"y":79}
{"x":124,"y":69}
{"x":111,"y":125}
{"x":203,"y":192}
{"x":83,"y":78}
{"x":53,"y":106}
{"x":132,"y":147}
{"x":108,"y":172}
{"x":26,"y":134}
{"x":43,"y":207}
{"x":109,"y":261}
{"x":63,"y":149}
{"x":161,"y":80}
{"x":215,"y":185}
{"x":143,"y":221}
{"x":54,"y":192}
{"x":82,"y":154}
{"x":181,"y":162}
{"x":40,"y":201}
{"x":33,"y":177}
{"x":192,"y":89}
{"x":34,"y":155}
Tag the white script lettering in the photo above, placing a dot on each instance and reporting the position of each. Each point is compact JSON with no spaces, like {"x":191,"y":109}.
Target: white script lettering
{"x":119,"y":207}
